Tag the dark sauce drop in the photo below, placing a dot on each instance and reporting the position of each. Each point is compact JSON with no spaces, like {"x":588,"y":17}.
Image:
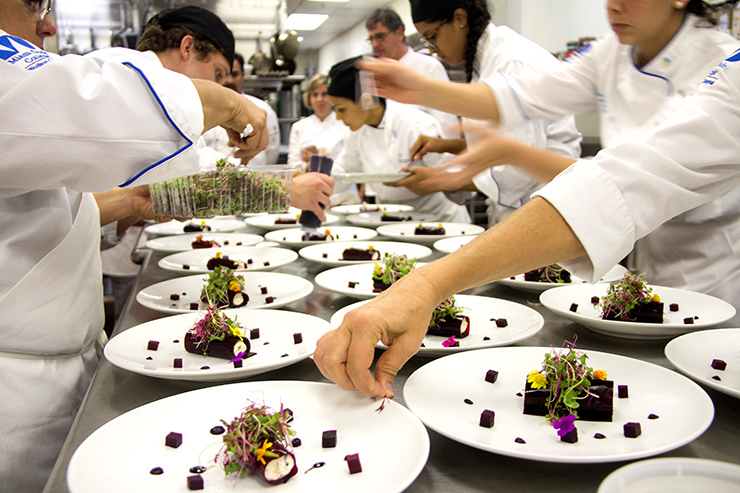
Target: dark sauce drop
{"x":315,"y":466}
{"x":519,"y":394}
{"x":716,"y":377}
{"x":205,"y":367}
{"x":176,"y":341}
{"x":296,"y":442}
{"x":156,"y":471}
{"x":599,"y":436}
{"x":486,"y":338}
{"x":468,"y":401}
{"x":149,"y":358}
{"x":519,"y":440}
{"x":653,"y":416}
{"x":217,"y":430}
{"x":198,"y":469}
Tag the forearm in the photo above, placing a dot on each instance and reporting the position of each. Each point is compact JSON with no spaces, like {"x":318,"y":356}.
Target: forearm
{"x":219,"y":105}
{"x":453,"y":146}
{"x":541,"y":164}
{"x":114,"y":206}
{"x":474,"y":101}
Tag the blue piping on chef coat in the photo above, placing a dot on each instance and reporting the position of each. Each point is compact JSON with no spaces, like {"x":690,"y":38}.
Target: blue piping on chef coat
{"x":498,"y":200}
{"x":671,"y":88}
{"x":154,"y":93}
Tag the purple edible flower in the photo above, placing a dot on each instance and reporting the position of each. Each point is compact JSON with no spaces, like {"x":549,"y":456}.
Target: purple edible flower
{"x":238,"y":357}
{"x":564,"y":425}
{"x":449,"y":342}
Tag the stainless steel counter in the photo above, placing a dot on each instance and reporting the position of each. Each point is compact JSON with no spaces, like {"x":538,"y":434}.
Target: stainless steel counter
{"x":451,"y":466}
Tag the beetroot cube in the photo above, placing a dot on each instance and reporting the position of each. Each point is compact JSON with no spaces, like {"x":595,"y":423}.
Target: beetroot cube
{"x":154,"y":345}
{"x":501,"y":322}
{"x":574,"y":307}
{"x":673,"y":307}
{"x":594,"y":300}
{"x":177,"y":363}
{"x":238,"y":364}
{"x":269,"y":299}
{"x":173,"y":439}
{"x":174,"y":296}
{"x":195,"y":482}
{"x":623,"y":391}
{"x":325,"y":255}
{"x":487,"y":418}
{"x":263,"y":289}
{"x":194,"y":306}
{"x":688,"y":320}
{"x":267,"y":264}
{"x":570,"y":437}
{"x":491,"y":376}
{"x":297,"y":338}
{"x":329,"y":439}
{"x":632,"y":430}
{"x":254,"y":334}
{"x":719,"y":364}
{"x":352,"y":284}
{"x":353,"y":462}
{"x":185,"y":267}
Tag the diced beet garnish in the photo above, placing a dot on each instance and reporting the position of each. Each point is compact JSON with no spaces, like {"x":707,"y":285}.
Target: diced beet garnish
{"x":570,"y":437}
{"x":519,"y":440}
{"x":174,"y":296}
{"x":673,"y":307}
{"x":194,"y":306}
{"x":298,"y":338}
{"x":238,"y":363}
{"x":487,"y":418}
{"x":195,"y":482}
{"x":719,"y":364}
{"x":173,"y":439}
{"x":688,"y":320}
{"x":632,"y":429}
{"x":269,"y":299}
{"x":599,"y":436}
{"x":623,"y":391}
{"x":594,"y":300}
{"x":185,"y":267}
{"x":296,"y":442}
{"x":263,"y":289}
{"x":329,"y":439}
{"x":353,"y":462}
{"x":177,"y":363}
{"x":501,"y":322}
{"x":377,"y":290}
{"x":238,"y":243}
{"x":254,"y":333}
{"x":154,"y":345}
{"x":250,"y":261}
{"x":325,"y":255}
{"x":351,"y":284}
{"x":491,"y":376}
{"x":218,"y":430}
{"x":226,"y":242}
{"x":156,"y":471}
{"x":653,"y":416}
{"x":266,"y":263}
{"x":574,"y":307}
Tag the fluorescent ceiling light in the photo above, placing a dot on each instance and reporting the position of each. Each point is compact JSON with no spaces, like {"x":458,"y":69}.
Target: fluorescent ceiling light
{"x":304,"y":22}
{"x":329,"y":1}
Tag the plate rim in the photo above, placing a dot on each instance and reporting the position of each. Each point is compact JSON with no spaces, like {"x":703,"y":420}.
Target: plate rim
{"x":335,"y":263}
{"x":152,"y":244}
{"x":228,"y":250}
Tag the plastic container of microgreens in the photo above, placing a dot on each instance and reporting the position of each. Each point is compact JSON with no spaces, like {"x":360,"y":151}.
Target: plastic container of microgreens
{"x":224,"y":190}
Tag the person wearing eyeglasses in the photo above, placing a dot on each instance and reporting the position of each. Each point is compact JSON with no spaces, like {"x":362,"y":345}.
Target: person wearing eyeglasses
{"x":71,"y":126}
{"x":461,"y":31}
{"x":386,"y":37}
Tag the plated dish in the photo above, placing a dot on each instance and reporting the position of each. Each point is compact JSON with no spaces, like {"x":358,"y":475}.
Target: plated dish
{"x":706,"y":310}
{"x":274,"y":347}
{"x":673,"y":474}
{"x":184,"y":242}
{"x":523,"y":322}
{"x":359,"y":208}
{"x":370,"y":177}
{"x":692,"y":355}
{"x":133,"y":443}
{"x":217,"y":225}
{"x":293,"y":237}
{"x":354,"y":281}
{"x":267,"y":221}
{"x":330,"y":253}
{"x":283,"y":288}
{"x":405,"y":231}
{"x":254,"y":258}
{"x":451,"y":244}
{"x":518,"y":282}
{"x":375,"y":219}
{"x":437,"y":391}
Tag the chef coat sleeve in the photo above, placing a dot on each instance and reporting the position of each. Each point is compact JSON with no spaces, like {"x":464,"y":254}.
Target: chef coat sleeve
{"x":628,"y":190}
{"x":294,"y":145}
{"x":90,"y":125}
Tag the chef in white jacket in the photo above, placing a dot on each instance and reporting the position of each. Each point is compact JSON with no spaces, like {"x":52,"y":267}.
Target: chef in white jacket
{"x":73,"y":125}
{"x":591,"y":215}
{"x":380,"y":141}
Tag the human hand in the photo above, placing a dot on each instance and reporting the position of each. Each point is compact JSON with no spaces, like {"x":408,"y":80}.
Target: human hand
{"x":307,"y":152}
{"x":312,"y":192}
{"x":424,"y":145}
{"x":417,"y":182}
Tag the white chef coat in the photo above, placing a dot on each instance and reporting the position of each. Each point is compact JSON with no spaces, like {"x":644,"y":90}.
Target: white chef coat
{"x":429,"y":66}
{"x":217,"y":138}
{"x":385,"y":148}
{"x":327,"y":135}
{"x":628,"y":190}
{"x":690,"y":251}
{"x":70,"y":125}
{"x":501,"y":50}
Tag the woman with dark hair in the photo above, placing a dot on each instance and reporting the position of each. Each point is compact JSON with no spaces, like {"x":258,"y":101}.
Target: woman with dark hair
{"x":658,"y":53}
{"x":460,"y":31}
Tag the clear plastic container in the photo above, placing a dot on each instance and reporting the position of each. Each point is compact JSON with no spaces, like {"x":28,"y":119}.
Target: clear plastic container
{"x":225,"y":191}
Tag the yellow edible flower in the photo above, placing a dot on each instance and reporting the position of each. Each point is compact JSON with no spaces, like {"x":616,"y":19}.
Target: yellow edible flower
{"x":600,"y":375}
{"x":261,"y":451}
{"x":218,"y":255}
{"x":537,"y":380}
{"x":235,"y":330}
{"x":656,"y":298}
{"x":234,"y":285}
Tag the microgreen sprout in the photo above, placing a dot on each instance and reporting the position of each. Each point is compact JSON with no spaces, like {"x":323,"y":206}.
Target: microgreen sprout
{"x":624,"y":295}
{"x":214,"y":326}
{"x":218,"y":284}
{"x":552,"y":273}
{"x":393,"y":268}
{"x":447,"y":310}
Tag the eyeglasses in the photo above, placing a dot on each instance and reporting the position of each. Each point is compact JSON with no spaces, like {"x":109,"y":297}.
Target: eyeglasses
{"x":41,"y":7}
{"x":429,"y":38}
{"x":379,"y":37}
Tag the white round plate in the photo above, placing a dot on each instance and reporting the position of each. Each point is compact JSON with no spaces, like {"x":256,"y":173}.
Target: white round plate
{"x":217,"y":224}
{"x":675,"y":475}
{"x":275,"y":347}
{"x":267,"y":221}
{"x":374,"y":219}
{"x":370,"y":177}
{"x":292,"y":237}
{"x":285,"y":288}
{"x":339,"y":278}
{"x":360,"y":208}
{"x":692,"y":355}
{"x":523,"y":322}
{"x":405,"y":231}
{"x":517,"y":282}
{"x":436,"y":393}
{"x":710,"y":310}
{"x":133,"y":443}
{"x":330,"y":253}
{"x":452,"y":244}
{"x":182,"y":243}
{"x":263,"y":258}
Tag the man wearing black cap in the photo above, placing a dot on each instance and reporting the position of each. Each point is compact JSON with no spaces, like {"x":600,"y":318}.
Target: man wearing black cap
{"x":381,"y":140}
